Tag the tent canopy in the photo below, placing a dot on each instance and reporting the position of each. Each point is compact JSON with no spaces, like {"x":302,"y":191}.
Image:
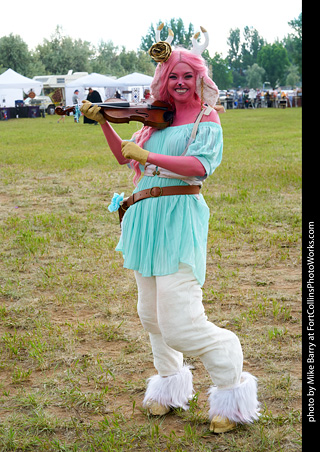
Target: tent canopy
{"x":92,"y":80}
{"x":12,"y":80}
{"x":134,"y":79}
{"x":99,"y":82}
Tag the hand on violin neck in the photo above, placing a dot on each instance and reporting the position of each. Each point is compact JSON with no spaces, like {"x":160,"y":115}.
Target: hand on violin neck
{"x":131,"y":150}
{"x":92,"y":112}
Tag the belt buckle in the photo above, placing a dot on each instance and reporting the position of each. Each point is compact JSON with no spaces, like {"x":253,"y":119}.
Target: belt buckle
{"x":124,"y":208}
{"x":124,"y":204}
{"x":155,"y":196}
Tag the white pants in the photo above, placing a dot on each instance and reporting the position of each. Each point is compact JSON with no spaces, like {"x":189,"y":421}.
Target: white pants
{"x":171,"y":310}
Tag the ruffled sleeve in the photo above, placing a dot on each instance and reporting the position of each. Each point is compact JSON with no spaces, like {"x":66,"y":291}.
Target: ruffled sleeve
{"x":208,"y":146}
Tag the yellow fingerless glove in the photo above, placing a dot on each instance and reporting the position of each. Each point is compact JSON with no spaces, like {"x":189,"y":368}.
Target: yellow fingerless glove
{"x":92,"y":112}
{"x":131,"y":150}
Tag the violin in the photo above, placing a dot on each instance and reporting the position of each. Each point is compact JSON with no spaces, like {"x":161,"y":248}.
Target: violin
{"x":156,"y":114}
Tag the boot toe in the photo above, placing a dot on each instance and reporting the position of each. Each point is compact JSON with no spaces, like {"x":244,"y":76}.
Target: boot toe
{"x":221,"y":424}
{"x":155,"y":409}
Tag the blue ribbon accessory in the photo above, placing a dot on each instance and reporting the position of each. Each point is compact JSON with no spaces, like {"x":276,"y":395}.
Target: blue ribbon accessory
{"x":115,"y":202}
{"x":77,"y":113}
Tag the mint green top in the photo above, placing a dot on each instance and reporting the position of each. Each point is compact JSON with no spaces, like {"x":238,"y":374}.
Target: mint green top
{"x":159,"y":233}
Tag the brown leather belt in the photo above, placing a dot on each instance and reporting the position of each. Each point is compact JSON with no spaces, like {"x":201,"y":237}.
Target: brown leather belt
{"x":156,"y":192}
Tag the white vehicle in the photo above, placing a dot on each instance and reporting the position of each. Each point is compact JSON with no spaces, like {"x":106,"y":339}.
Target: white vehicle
{"x":222,"y":95}
{"x":42,"y":101}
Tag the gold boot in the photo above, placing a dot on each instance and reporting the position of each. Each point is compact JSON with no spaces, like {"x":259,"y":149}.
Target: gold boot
{"x":156,"y":409}
{"x":221,"y":424}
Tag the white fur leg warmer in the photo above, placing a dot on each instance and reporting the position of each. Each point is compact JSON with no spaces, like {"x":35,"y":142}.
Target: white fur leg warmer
{"x":238,"y":404}
{"x":173,"y":391}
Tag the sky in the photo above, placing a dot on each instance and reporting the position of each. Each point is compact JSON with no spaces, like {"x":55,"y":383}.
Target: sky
{"x":124,"y":22}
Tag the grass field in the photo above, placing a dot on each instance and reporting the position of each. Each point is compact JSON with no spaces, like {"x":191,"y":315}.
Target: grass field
{"x":74,"y":358}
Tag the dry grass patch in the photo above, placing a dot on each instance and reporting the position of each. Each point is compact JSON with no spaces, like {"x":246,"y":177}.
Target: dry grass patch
{"x":74,"y":357}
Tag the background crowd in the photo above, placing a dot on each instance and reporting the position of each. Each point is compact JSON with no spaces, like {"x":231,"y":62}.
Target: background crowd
{"x":251,"y":98}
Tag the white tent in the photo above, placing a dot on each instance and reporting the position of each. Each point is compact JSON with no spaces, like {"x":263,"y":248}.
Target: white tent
{"x":100,"y":82}
{"x":12,"y":86}
{"x":135,"y":79}
{"x":11,"y":79}
{"x":133,"y":85}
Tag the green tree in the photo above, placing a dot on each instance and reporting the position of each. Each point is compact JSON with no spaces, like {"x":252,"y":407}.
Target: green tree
{"x":219,"y":70}
{"x":250,"y":47}
{"x":293,"y":43}
{"x":243,"y":52}
{"x":182,"y":36}
{"x":136,"y":62}
{"x":293,"y":77}
{"x":61,"y":54}
{"x":106,"y":60}
{"x":296,"y":24}
{"x":273,"y":58}
{"x":255,"y":76}
{"x":14,"y":54}
{"x":234,"y":57}
{"x":145,"y":65}
{"x":234,"y":53}
{"x":35,"y":66}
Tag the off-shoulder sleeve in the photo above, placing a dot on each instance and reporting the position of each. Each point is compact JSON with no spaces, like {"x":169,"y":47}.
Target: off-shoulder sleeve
{"x":208,"y":146}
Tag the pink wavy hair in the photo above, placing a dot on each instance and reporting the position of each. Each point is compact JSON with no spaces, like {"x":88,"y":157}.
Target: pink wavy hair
{"x":159,"y":91}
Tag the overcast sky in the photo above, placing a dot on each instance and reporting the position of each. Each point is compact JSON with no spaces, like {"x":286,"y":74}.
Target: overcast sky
{"x":124,"y":22}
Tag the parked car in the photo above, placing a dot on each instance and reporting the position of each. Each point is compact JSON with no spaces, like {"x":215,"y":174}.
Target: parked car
{"x":226,"y":98}
{"x":222,"y":95}
{"x":43,"y":101}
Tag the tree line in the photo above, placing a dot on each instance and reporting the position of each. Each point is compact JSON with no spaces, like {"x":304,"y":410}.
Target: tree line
{"x":250,"y":60}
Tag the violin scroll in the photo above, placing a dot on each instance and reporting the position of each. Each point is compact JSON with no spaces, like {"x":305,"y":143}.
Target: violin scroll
{"x":64,"y":110}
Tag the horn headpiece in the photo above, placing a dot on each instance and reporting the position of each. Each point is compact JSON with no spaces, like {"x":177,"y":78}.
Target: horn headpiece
{"x":161,"y":50}
{"x":197,"y":48}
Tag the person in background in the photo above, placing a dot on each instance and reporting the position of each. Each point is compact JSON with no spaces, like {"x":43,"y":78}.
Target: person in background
{"x":95,"y":98}
{"x":62,"y":117}
{"x":146,"y":94}
{"x":268,"y":99}
{"x":75,"y":97}
{"x":42,"y":109}
{"x":75,"y":101}
{"x":258,"y":98}
{"x":245,"y":98}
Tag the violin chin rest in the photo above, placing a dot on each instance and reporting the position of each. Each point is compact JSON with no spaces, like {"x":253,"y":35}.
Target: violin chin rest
{"x":168,"y":116}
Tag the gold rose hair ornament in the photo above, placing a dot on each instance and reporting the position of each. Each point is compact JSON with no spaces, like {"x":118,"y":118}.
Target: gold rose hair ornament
{"x":161,"y":50}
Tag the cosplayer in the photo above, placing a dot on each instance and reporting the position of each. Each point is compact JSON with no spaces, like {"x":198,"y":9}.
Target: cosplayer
{"x":164,"y":239}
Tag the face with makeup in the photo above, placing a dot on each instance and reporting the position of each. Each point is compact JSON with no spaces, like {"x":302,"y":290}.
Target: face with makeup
{"x":182,"y":83}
